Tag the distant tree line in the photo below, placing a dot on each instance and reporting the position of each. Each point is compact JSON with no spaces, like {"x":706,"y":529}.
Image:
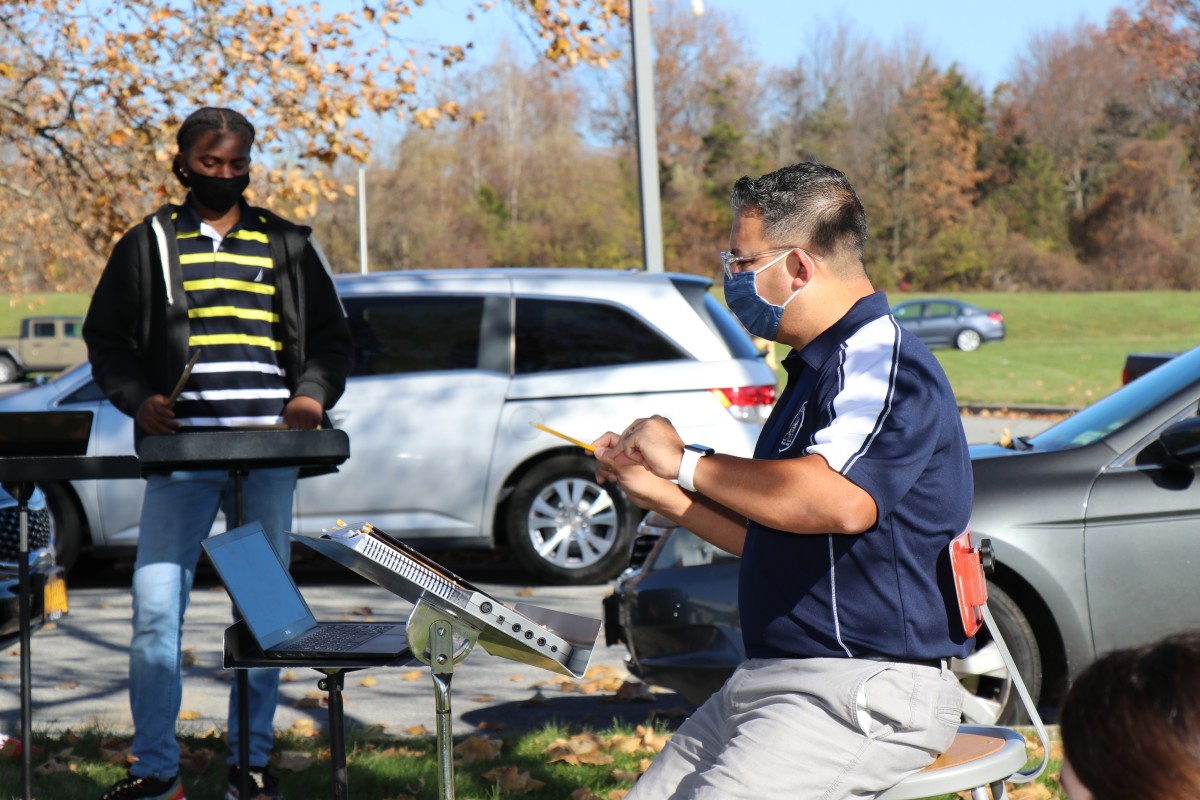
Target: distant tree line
{"x":1079,"y":173}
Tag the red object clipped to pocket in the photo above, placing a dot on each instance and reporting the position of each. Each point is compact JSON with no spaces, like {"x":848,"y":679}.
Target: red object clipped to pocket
{"x":969,"y":583}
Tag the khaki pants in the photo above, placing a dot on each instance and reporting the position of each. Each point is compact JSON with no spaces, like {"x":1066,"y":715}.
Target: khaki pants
{"x":819,"y":728}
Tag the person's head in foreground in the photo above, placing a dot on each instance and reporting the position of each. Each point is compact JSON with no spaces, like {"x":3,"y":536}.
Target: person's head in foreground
{"x":1131,"y":724}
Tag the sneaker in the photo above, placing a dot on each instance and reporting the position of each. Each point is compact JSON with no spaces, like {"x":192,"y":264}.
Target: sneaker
{"x":135,"y":787}
{"x":260,"y":782}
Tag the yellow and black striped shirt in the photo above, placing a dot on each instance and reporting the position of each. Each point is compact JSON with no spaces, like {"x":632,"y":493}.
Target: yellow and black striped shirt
{"x":230,"y":286}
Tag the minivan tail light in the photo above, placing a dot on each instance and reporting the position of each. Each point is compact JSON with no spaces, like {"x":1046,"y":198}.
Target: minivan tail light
{"x":747,"y":403}
{"x":995,"y":316}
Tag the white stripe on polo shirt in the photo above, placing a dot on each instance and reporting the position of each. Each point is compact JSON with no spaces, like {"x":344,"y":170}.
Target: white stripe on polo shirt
{"x":869,"y":361}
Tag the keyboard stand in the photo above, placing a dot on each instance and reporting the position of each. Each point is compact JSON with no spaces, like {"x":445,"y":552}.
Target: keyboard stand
{"x":241,"y":652}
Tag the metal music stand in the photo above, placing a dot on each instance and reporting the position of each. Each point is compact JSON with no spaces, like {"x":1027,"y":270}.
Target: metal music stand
{"x":450,"y":616}
{"x":50,"y":446}
{"x":237,"y":452}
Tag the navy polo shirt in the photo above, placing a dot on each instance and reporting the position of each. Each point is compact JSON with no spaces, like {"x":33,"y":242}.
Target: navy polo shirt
{"x":871,"y":400}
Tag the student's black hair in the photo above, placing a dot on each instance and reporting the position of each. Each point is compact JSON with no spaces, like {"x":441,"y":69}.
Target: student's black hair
{"x":206,"y":120}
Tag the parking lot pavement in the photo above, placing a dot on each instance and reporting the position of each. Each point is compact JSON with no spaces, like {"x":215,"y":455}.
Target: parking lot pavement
{"x":80,"y":667}
{"x":81,"y":663}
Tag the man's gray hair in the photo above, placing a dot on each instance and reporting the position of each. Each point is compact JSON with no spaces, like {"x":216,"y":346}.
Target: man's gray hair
{"x":808,"y":205}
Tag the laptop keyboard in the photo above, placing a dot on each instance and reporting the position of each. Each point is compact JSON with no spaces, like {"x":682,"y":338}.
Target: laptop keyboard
{"x":336,"y":638}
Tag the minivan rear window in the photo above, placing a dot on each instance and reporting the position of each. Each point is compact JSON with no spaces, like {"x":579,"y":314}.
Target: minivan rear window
{"x":569,"y":334}
{"x":414,"y":334}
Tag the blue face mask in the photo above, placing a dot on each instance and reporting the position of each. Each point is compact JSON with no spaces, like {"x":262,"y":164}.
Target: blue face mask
{"x":756,"y":314}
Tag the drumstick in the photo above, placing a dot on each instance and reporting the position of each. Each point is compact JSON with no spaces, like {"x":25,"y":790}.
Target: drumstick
{"x":187,"y":371}
{"x":570,"y":439}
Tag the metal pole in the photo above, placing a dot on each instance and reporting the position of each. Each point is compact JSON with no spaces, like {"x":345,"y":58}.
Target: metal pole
{"x":362,"y":220}
{"x":24,"y":492}
{"x":647,"y":139}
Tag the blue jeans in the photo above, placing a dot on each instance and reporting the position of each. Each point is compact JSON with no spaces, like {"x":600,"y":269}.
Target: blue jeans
{"x":178,"y":511}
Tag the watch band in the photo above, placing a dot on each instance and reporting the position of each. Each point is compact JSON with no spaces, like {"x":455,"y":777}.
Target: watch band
{"x":692,"y":453}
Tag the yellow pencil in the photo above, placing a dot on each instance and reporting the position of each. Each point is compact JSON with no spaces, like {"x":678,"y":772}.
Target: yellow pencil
{"x":570,"y":439}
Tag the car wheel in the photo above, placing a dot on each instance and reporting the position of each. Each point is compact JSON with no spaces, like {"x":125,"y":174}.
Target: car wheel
{"x":67,"y":520}
{"x":968,"y":340}
{"x":565,"y":527}
{"x":991,"y":697}
{"x":8,"y":370}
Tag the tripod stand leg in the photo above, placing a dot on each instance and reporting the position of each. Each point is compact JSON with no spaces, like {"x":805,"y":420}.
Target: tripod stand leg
{"x":332,"y":684}
{"x":441,"y":664}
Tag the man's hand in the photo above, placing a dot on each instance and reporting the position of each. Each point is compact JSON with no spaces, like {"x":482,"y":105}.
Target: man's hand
{"x":302,"y":414}
{"x":155,"y":416}
{"x":654,"y":443}
{"x":644,"y":488}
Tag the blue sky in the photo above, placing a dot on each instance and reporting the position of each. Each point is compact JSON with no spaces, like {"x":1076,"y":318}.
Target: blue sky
{"x":983,"y":38}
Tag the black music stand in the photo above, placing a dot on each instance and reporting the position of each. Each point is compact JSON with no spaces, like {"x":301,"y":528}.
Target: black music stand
{"x":242,"y":652}
{"x":237,"y":452}
{"x":50,"y":446}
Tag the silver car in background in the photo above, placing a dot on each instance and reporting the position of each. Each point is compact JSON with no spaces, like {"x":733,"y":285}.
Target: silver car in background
{"x":453,"y":370}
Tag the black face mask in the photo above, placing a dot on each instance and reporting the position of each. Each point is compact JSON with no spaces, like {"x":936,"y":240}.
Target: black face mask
{"x":218,"y":194}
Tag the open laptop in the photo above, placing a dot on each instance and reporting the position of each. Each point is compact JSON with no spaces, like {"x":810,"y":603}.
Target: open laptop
{"x":44,"y":433}
{"x":275,"y":611}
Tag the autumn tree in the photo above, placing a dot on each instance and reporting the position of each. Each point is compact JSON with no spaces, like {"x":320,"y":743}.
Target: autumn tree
{"x":92,"y":94}
{"x":519,"y":188}
{"x":931,"y":177}
{"x":1059,"y":97}
{"x":708,"y":98}
{"x":1143,"y":232}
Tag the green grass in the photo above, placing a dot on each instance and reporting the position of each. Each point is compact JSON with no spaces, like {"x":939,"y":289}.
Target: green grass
{"x":39,"y":305}
{"x":72,"y":765}
{"x":1063,"y":349}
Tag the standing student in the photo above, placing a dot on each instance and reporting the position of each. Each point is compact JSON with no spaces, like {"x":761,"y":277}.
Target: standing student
{"x":248,"y":294}
{"x":843,"y":517}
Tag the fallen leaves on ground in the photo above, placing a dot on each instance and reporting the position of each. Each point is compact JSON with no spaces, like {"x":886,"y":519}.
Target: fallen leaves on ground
{"x":368,"y":681}
{"x":587,"y":748}
{"x":413,"y":675}
{"x":189,"y":657}
{"x":583,"y":748}
{"x":526,"y":592}
{"x":417,"y":730}
{"x":477,"y":748}
{"x":189,"y":715}
{"x":511,"y":779}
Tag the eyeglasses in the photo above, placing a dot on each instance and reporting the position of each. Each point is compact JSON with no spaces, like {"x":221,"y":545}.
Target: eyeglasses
{"x":730,"y":262}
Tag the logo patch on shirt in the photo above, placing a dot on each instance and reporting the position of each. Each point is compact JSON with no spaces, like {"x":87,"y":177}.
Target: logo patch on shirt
{"x":789,"y":438}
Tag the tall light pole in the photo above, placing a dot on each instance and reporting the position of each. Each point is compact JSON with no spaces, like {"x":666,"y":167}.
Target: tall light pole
{"x":362,"y":220}
{"x":647,"y":138}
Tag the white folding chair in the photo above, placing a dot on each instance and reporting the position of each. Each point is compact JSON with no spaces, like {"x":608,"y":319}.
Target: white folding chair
{"x":982,"y":757}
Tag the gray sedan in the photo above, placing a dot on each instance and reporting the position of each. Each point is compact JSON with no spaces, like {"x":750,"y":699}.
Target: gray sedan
{"x":1094,"y":522}
{"x":941,"y":322}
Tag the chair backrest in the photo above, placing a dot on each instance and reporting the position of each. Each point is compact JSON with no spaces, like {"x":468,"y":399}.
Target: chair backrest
{"x":971,"y":584}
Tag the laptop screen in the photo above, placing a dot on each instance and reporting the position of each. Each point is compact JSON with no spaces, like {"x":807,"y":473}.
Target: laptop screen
{"x":259,"y":584}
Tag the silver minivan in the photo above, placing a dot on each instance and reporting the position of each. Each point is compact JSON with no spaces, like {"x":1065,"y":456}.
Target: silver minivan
{"x":453,"y":370}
